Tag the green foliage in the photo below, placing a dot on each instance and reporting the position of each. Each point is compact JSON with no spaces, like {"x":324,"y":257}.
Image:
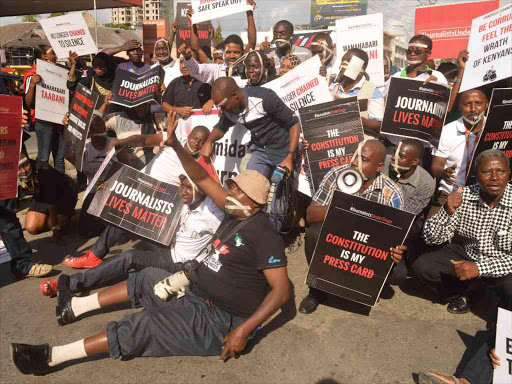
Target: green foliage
{"x":30,"y":18}
{"x":217,"y":37}
{"x":55,"y":14}
{"x":119,"y":26}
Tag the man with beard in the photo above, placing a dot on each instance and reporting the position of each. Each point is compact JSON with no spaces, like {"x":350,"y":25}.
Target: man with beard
{"x":479,"y":217}
{"x":351,"y":81}
{"x":165,"y":167}
{"x":283,"y":34}
{"x":369,"y":162}
{"x":457,"y":145}
{"x":209,"y":319}
{"x":163,"y":48}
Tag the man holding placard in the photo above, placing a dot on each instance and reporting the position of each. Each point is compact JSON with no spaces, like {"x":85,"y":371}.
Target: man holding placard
{"x":480,"y":218}
{"x":368,"y":161}
{"x":351,"y":81}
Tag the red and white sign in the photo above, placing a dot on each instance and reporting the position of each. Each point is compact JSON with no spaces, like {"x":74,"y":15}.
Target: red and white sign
{"x":449,"y":25}
{"x":10,"y":144}
{"x":152,"y":31}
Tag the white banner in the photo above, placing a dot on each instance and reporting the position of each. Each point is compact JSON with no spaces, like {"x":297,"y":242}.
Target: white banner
{"x":228,"y":151}
{"x":367,"y":33}
{"x":302,"y":86}
{"x":503,"y":374}
{"x":205,"y":10}
{"x":490,"y":49}
{"x":68,"y":33}
{"x":52,"y":93}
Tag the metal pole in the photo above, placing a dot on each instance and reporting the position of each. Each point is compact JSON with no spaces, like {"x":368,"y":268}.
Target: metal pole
{"x":96,"y":20}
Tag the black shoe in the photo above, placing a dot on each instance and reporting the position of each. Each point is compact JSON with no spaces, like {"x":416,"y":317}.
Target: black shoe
{"x":64,"y":312}
{"x":309,"y":304}
{"x":458,"y":306}
{"x":31,"y":359}
{"x":387,"y":292}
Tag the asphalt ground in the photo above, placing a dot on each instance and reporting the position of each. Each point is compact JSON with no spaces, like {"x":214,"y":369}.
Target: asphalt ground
{"x":342,"y":342}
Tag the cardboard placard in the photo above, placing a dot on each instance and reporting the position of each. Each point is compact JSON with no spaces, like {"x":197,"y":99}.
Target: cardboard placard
{"x":132,"y":89}
{"x":503,"y":373}
{"x":183,"y":33}
{"x":414,"y":110}
{"x":80,"y":116}
{"x":140,"y":204}
{"x":353,"y":260}
{"x":490,"y":49}
{"x":52,"y":93}
{"x":333,"y":131}
{"x":68,"y":33}
{"x":214,"y":9}
{"x":367,"y":33}
{"x":497,"y":132}
{"x":11,"y":109}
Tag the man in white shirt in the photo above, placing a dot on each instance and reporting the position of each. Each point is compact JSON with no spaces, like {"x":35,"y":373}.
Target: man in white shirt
{"x":198,"y":222}
{"x":457,"y":145}
{"x":165,"y":166}
{"x":283,"y":34}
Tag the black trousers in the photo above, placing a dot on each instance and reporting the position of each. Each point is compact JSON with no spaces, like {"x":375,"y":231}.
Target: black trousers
{"x":12,"y":236}
{"x":435,"y":270}
{"x":397,"y":276}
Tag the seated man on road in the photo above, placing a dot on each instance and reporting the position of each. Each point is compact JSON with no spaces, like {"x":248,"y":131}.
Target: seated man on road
{"x":417,"y":188}
{"x":165,"y":167}
{"x":350,"y":82}
{"x":480,"y":216}
{"x":457,"y":145}
{"x":369,"y":161}
{"x":239,"y":287}
{"x":198,"y":221}
{"x":185,"y":93}
{"x":274,"y":128}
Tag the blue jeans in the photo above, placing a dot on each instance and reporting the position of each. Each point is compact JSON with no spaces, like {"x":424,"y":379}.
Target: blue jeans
{"x":12,"y":236}
{"x":50,"y":140}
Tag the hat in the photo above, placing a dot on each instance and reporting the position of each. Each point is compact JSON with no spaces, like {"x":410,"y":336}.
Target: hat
{"x":253,"y":184}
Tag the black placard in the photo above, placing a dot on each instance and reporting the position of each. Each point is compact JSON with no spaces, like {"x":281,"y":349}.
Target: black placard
{"x":80,"y":116}
{"x":416,"y":111}
{"x":140,"y":204}
{"x":333,"y":131}
{"x":497,"y":132}
{"x":183,"y":34}
{"x":352,"y":257}
{"x":132,"y":89}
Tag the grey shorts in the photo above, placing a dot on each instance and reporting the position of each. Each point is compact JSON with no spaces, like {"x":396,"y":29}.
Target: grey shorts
{"x":179,"y":327}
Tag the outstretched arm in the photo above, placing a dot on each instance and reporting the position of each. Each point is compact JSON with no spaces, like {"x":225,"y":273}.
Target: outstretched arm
{"x":251,"y":28}
{"x":194,"y":170}
{"x":132,"y":44}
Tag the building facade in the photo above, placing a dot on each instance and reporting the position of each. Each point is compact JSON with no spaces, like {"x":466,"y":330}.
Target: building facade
{"x":150,"y":10}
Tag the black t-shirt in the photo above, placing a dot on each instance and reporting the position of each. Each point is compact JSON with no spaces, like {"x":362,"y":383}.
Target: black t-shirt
{"x":53,"y":185}
{"x":233,"y":278}
{"x":180,"y":93}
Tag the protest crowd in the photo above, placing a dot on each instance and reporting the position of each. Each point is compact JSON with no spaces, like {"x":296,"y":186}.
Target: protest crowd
{"x":214,"y":158}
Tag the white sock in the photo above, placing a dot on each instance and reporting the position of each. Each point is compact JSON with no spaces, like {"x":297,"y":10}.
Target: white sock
{"x":68,"y":352}
{"x":81,"y":305}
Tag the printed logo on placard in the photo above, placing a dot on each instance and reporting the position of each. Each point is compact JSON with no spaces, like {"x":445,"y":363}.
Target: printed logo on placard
{"x":490,"y":75}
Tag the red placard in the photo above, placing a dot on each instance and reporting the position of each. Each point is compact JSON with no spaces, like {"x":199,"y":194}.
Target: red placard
{"x":11,"y":109}
{"x":449,"y":25}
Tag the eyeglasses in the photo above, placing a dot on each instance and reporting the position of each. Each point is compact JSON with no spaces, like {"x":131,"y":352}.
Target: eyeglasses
{"x":416,"y":51}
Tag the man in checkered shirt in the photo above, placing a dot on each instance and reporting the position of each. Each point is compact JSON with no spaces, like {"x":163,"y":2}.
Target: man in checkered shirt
{"x":376,"y":187}
{"x":480,"y":218}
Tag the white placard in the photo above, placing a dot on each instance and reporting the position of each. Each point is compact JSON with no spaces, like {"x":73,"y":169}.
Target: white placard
{"x":68,"y":33}
{"x":302,"y":86}
{"x":228,"y":151}
{"x":490,"y":49}
{"x":205,"y":10}
{"x":367,"y":33}
{"x":503,"y":374}
{"x":52,"y":93}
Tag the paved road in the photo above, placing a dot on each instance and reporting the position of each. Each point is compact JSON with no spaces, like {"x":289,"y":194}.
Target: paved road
{"x":340,"y":343}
